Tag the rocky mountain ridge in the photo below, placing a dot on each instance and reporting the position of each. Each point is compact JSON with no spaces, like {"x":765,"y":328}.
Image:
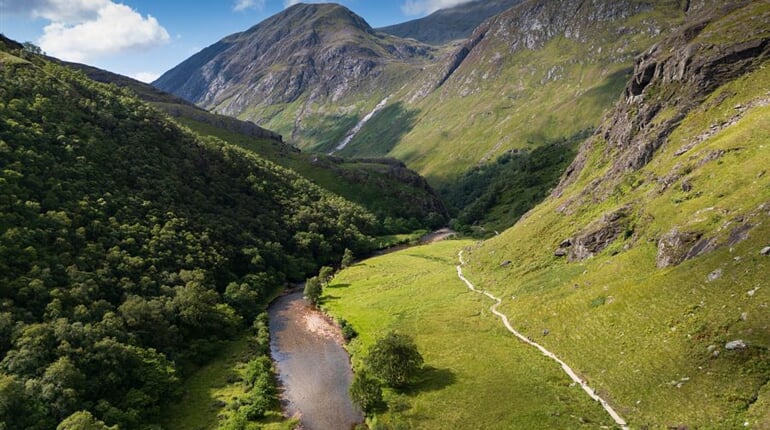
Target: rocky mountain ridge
{"x":450,"y":24}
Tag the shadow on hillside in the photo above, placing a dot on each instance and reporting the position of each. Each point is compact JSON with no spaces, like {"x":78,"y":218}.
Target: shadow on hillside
{"x":431,"y":379}
{"x":384,"y":131}
{"x":335,"y":286}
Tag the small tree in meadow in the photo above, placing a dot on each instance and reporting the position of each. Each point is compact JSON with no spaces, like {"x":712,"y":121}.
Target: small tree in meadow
{"x":325,"y":275}
{"x":395,"y":359}
{"x":347,"y":258}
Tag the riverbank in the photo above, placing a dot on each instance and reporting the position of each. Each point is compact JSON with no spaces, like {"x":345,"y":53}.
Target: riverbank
{"x":312,"y":366}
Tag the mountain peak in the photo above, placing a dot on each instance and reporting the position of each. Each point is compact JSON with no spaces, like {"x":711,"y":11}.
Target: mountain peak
{"x":303,"y":57}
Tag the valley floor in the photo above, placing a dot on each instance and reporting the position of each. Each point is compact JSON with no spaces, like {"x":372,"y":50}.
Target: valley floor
{"x":477,"y":375}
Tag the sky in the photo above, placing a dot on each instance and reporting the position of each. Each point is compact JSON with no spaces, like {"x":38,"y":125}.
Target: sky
{"x":144,"y":38}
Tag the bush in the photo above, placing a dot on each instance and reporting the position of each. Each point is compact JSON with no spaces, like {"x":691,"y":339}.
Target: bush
{"x":348,"y":332}
{"x":366,"y":392}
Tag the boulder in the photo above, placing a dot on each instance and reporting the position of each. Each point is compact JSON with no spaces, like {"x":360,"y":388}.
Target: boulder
{"x":560,"y":252}
{"x":713,"y":276}
{"x":599,"y":234}
{"x":765,"y":251}
{"x":735,"y":344}
{"x":673,"y":247}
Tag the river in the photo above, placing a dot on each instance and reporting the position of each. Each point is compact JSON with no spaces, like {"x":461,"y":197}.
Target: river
{"x":312,"y":366}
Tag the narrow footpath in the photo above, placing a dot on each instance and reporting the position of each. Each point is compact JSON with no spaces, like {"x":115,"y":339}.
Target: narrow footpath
{"x":568,"y":370}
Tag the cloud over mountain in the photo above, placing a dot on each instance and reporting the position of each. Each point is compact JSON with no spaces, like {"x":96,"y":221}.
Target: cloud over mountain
{"x":81,"y":30}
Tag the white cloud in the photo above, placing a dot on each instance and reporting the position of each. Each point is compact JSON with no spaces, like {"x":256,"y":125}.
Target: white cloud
{"x":249,"y":4}
{"x":81,"y":30}
{"x":146,"y":77}
{"x":289,"y":3}
{"x":419,"y":7}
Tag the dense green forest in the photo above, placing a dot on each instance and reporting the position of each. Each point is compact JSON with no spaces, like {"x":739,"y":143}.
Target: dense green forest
{"x":131,"y":247}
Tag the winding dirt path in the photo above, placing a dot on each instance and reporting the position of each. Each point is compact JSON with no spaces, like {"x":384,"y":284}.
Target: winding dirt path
{"x":568,"y":370}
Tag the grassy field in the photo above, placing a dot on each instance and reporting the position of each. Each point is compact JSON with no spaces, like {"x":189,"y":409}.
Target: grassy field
{"x":477,"y":375}
{"x":211,"y":387}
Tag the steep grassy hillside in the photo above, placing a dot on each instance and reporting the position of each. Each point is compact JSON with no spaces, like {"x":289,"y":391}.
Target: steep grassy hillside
{"x":646,"y":262}
{"x":539,"y":72}
{"x":400,"y":199}
{"x":131,"y":248}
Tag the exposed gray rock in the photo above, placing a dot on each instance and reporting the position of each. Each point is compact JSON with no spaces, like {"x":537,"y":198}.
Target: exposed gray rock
{"x":599,"y":234}
{"x":739,"y":234}
{"x":669,"y":81}
{"x":566,"y":243}
{"x":560,"y":252}
{"x":505,"y":263}
{"x":713,"y":276}
{"x":765,"y":251}
{"x":735,"y":344}
{"x":673,"y":247}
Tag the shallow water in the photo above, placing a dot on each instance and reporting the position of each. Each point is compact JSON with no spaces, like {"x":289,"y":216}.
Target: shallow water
{"x":313,"y":368}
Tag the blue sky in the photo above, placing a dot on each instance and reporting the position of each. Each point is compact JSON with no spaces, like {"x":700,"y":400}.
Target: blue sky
{"x":144,"y":38}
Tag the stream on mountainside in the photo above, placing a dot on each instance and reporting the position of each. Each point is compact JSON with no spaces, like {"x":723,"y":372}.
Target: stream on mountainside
{"x":313,"y":368}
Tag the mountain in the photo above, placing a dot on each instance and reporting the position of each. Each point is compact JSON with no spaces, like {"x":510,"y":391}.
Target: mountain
{"x":131,"y":247}
{"x":310,"y":73}
{"x":452,"y":23}
{"x":401,"y":199}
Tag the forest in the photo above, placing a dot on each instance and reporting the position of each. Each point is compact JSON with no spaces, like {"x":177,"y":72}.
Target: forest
{"x":130,"y":247}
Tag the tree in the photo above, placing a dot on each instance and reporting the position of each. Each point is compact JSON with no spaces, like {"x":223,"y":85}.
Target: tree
{"x":313,"y":290}
{"x":31,"y":47}
{"x":366,"y":392}
{"x":83,"y":420}
{"x":326,"y":274}
{"x":395,"y":359}
{"x":347,"y":258}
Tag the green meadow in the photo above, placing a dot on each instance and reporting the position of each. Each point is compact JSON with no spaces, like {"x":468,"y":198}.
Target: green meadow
{"x":477,"y":375}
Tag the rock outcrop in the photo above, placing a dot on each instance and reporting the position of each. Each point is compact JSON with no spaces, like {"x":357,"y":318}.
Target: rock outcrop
{"x":670,"y":80}
{"x":598,"y":235}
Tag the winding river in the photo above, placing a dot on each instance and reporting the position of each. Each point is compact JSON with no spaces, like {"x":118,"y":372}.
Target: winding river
{"x":312,"y":366}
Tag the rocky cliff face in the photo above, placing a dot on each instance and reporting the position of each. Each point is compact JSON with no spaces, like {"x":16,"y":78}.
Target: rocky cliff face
{"x":674,"y":80}
{"x":670,"y":80}
{"x":292,"y":63}
{"x":446,"y":25}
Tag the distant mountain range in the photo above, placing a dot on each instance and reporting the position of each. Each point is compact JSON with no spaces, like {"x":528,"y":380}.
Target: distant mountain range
{"x":453,"y":23}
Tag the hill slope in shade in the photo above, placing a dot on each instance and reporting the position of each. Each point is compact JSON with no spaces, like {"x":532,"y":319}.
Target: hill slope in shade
{"x":645,"y":266}
{"x":453,"y":23}
{"x":400,"y":198}
{"x":308,"y":72}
